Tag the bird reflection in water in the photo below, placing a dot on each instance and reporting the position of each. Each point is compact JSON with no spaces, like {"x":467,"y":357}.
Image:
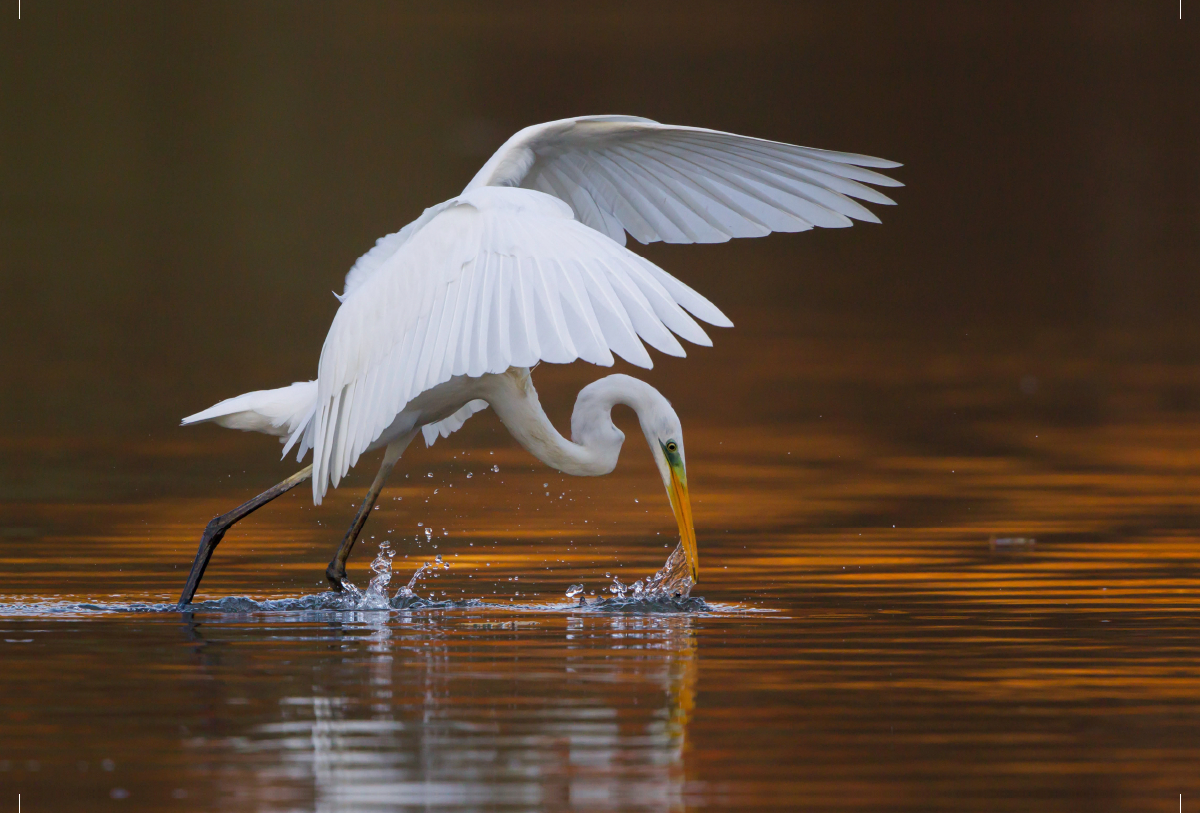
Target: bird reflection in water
{"x":448,"y":711}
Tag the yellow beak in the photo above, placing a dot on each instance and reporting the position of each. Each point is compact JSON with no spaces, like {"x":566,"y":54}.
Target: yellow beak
{"x":682,"y":506}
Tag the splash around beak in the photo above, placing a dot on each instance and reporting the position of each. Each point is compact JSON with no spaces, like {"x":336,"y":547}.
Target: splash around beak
{"x":677,"y":490}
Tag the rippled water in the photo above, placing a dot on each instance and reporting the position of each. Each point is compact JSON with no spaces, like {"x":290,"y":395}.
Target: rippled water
{"x":999,"y":610}
{"x":883,"y":626}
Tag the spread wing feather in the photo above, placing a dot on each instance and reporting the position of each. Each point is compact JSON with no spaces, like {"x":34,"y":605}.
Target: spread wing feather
{"x":685,"y":184}
{"x":501,"y":278}
{"x":537,"y":270}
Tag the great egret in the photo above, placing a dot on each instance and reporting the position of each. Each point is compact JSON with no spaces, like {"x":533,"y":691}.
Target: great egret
{"x":446,"y":316}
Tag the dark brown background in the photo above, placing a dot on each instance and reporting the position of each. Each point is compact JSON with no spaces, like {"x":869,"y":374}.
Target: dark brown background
{"x":183,"y":184}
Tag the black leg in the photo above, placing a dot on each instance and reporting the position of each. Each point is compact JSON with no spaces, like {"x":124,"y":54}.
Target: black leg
{"x":216,"y":529}
{"x":336,"y":571}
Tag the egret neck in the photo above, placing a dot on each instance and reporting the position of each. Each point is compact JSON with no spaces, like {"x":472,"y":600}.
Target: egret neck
{"x":595,"y":440}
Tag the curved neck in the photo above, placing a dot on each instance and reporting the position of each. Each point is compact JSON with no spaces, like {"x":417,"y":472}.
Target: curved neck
{"x":596,"y":441}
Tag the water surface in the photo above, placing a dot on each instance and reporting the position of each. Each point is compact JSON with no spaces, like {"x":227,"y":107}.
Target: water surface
{"x":966,"y":596}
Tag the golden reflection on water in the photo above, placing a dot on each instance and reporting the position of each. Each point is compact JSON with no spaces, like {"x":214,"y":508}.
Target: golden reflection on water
{"x":437,"y":709}
{"x":871,"y":647}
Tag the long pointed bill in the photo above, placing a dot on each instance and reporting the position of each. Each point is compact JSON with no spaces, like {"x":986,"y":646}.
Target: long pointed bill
{"x":682,"y":506}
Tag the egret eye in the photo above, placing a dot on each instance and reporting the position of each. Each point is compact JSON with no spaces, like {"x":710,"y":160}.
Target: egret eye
{"x":672,"y":447}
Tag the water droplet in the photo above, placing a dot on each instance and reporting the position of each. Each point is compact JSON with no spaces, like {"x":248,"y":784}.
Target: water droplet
{"x":574,"y":590}
{"x":495,"y":468}
{"x":428,"y":533}
{"x":376,"y":597}
{"x":470,"y":475}
{"x":617,"y":588}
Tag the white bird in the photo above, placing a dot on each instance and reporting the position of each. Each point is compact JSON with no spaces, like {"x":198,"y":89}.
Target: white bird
{"x":446,"y":316}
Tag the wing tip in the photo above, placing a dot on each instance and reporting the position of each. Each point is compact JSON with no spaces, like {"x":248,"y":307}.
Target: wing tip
{"x":712,"y":316}
{"x":645,"y":362}
{"x":860,"y":160}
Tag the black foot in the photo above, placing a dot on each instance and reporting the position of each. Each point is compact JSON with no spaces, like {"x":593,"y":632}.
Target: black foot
{"x":334,"y":574}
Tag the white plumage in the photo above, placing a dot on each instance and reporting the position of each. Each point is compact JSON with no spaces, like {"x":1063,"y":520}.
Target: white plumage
{"x":529,"y":264}
{"x":280,"y":412}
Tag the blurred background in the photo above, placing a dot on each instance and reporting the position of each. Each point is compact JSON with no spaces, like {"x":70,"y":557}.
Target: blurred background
{"x":184,"y":184}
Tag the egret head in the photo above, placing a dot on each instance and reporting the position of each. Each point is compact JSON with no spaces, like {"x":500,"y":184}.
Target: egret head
{"x":665,"y":436}
{"x":675,"y":479}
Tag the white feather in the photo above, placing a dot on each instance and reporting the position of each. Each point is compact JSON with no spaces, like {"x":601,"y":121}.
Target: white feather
{"x":684,"y":184}
{"x":529,"y":264}
{"x":447,"y":426}
{"x":517,"y":256}
{"x":280,"y":412}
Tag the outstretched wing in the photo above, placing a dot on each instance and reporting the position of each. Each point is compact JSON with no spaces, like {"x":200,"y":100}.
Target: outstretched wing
{"x":498,"y":278}
{"x":384,"y":248}
{"x":684,"y":184}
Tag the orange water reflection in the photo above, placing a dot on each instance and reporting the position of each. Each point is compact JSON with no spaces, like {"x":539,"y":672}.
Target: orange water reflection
{"x":875,"y":649}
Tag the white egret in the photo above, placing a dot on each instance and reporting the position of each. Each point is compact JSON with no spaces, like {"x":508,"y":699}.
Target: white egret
{"x":446,"y":316}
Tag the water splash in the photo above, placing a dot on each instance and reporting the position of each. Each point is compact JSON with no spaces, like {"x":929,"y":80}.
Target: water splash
{"x":668,"y":590}
{"x":406,"y":597}
{"x":350,"y":594}
{"x":376,"y":597}
{"x":673,"y":580}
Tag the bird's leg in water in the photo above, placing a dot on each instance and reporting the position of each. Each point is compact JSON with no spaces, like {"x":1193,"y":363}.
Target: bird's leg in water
{"x":215,"y":530}
{"x":336,"y":571}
